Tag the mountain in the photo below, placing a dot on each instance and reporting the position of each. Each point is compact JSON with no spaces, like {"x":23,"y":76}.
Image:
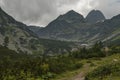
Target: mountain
{"x":17,"y":34}
{"x":11,"y":54}
{"x":114,"y":31}
{"x":5,"y":18}
{"x":95,"y":16}
{"x":62,"y":27}
{"x":72,"y":26}
{"x":35,"y":29}
{"x":71,"y":17}
{"x":20,"y":38}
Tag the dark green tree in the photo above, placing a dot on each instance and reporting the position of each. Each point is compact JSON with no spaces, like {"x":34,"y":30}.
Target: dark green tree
{"x":6,"y":41}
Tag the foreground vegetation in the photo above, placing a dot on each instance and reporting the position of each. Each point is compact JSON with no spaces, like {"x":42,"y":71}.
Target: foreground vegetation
{"x":105,"y":72}
{"x":19,"y":66}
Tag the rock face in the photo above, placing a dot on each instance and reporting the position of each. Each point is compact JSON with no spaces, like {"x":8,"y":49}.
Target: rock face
{"x":35,"y":29}
{"x":22,"y":38}
{"x":62,"y":27}
{"x":72,"y":17}
{"x":95,"y":16}
{"x":5,"y":18}
{"x":72,"y":26}
{"x":18,"y":35}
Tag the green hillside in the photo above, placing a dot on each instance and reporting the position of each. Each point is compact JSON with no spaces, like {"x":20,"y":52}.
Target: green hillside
{"x":89,"y":61}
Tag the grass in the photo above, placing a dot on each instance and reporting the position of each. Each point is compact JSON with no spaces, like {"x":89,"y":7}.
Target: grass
{"x":118,"y":37}
{"x":92,"y":64}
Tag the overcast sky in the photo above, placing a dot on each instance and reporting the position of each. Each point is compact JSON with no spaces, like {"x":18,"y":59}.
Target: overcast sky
{"x":41,"y":12}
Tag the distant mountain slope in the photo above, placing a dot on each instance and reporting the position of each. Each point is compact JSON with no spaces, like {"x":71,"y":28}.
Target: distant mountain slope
{"x":21,"y":38}
{"x":71,"y":17}
{"x":17,"y":33}
{"x":74,"y":27}
{"x":95,"y":16}
{"x":68,"y":27}
{"x":35,"y":29}
{"x":62,"y":27}
{"x":6,"y":53}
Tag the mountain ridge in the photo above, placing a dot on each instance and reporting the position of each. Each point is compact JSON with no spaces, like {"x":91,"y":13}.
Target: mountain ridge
{"x":71,"y":17}
{"x":64,"y":29}
{"x":95,"y":16}
{"x":22,"y":39}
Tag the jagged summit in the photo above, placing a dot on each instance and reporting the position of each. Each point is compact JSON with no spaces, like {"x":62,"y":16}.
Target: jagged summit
{"x":95,"y":16}
{"x":2,"y":11}
{"x":72,"y":17}
{"x":0,"y":7}
{"x":5,"y":18}
{"x":72,"y":12}
{"x":116,"y":17}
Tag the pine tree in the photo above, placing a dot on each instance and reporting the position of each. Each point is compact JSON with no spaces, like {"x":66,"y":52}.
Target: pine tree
{"x":6,"y":41}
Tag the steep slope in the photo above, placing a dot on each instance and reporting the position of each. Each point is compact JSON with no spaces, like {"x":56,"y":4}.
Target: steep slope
{"x":5,"y":18}
{"x":71,"y":17}
{"x":35,"y":29}
{"x":114,"y":33}
{"x":111,"y":27}
{"x":19,"y":37}
{"x":17,"y":34}
{"x":107,"y":30}
{"x":73,"y":27}
{"x":95,"y":16}
{"x":62,"y":27}
{"x":6,"y":53}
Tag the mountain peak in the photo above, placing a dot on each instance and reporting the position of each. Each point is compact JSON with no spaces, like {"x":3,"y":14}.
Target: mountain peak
{"x":1,"y":10}
{"x":95,"y":10}
{"x":5,"y":18}
{"x":71,"y":17}
{"x":72,"y":12}
{"x":95,"y":16}
{"x":116,"y":17}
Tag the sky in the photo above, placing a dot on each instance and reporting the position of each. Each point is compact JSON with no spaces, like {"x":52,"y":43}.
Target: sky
{"x":42,"y":12}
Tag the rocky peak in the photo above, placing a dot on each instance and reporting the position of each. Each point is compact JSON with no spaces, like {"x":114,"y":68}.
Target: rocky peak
{"x":116,"y":17}
{"x":95,"y":16}
{"x":5,"y":18}
{"x":71,"y":17}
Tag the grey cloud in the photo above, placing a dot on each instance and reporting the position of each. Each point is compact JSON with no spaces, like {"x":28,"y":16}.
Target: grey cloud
{"x":41,"y":12}
{"x":109,"y":7}
{"x":31,"y":11}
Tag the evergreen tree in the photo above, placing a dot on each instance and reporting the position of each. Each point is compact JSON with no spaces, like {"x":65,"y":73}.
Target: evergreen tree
{"x":6,"y":41}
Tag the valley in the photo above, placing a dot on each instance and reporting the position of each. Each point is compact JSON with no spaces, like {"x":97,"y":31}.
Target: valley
{"x":71,"y":47}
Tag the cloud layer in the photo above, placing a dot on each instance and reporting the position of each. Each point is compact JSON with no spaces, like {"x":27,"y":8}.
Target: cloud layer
{"x":41,"y":12}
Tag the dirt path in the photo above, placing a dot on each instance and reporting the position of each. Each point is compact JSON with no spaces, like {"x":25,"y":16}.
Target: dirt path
{"x":81,"y":76}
